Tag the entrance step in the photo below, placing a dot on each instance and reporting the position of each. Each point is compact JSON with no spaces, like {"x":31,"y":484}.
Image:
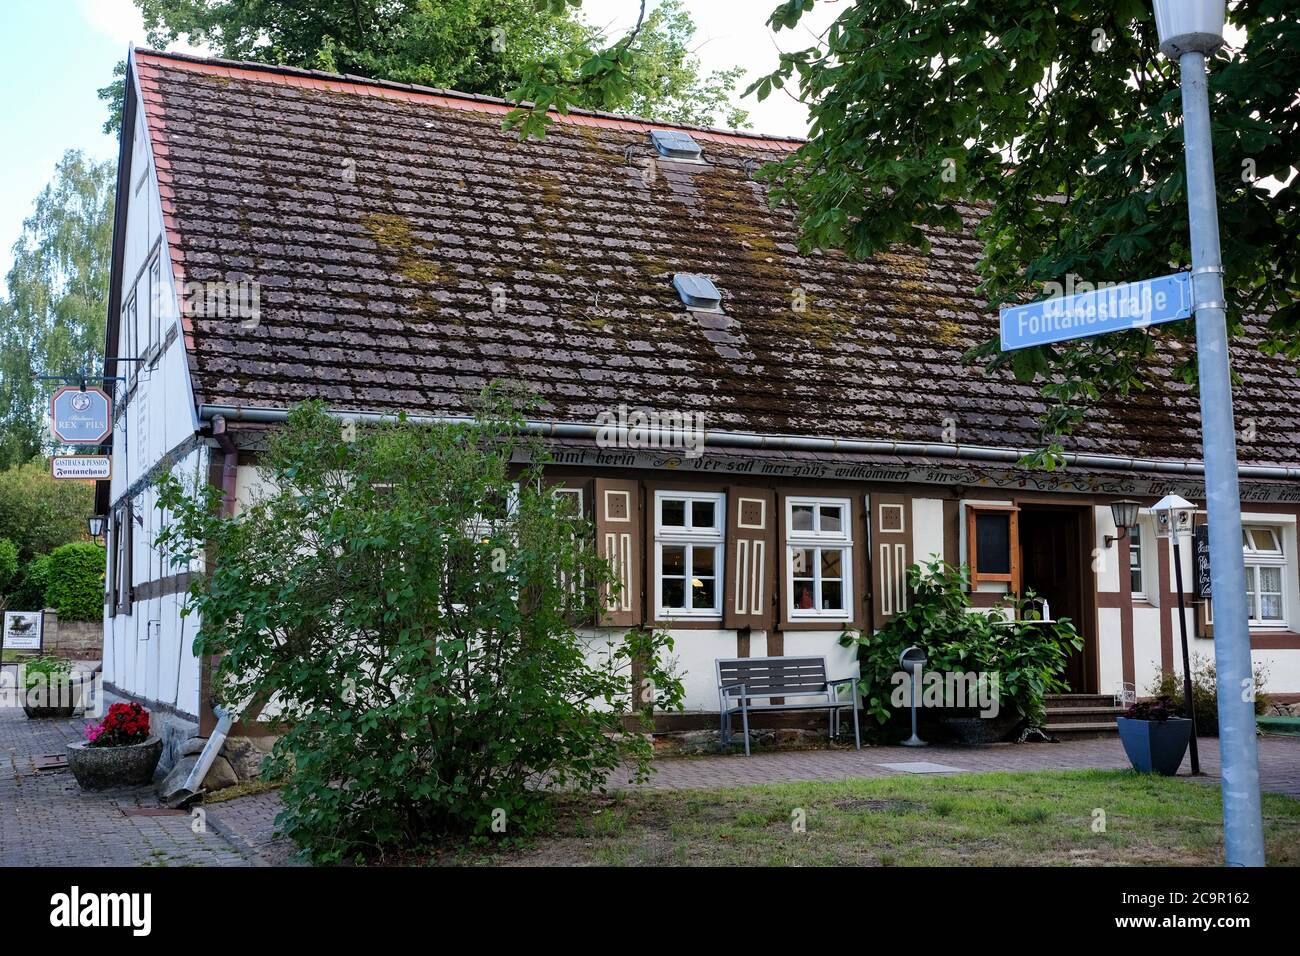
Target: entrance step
{"x":1081,"y":715}
{"x":1079,"y":700}
{"x":1076,"y":731}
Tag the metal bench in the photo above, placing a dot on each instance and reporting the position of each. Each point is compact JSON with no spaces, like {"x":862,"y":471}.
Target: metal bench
{"x":740,"y":680}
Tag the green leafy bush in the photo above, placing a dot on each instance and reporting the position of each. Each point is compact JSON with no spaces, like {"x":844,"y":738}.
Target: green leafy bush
{"x":75,"y":583}
{"x":39,"y":512}
{"x":1027,"y":655}
{"x":1205,"y":693}
{"x":411,"y":605}
{"x":8,"y":565}
{"x":29,"y":593}
{"x":45,"y":670}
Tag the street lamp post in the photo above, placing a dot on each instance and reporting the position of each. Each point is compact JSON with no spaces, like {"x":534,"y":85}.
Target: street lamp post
{"x":1173,"y":520}
{"x":1189,"y":29}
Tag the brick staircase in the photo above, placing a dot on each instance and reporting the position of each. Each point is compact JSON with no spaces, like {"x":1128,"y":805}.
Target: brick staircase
{"x":1074,"y":716}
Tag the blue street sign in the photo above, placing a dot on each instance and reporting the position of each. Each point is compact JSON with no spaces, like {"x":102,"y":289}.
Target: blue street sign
{"x":80,"y":417}
{"x":1133,"y":305}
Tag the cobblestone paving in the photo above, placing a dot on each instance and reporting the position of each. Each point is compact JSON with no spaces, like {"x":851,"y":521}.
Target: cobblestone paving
{"x":46,"y":819}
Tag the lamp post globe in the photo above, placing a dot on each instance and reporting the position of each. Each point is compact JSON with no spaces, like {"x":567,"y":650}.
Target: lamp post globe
{"x":1190,"y":26}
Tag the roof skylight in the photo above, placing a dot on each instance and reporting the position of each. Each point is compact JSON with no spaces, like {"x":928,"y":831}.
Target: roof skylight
{"x":698,"y":292}
{"x":675,"y":144}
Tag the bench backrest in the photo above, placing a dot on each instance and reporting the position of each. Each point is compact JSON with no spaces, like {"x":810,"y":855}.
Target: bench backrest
{"x":774,"y":676}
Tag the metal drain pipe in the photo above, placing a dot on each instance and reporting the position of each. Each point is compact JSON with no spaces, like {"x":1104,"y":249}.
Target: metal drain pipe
{"x":194,"y":782}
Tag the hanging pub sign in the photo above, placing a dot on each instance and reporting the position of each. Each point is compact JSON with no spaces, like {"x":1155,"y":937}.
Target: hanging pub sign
{"x":1201,"y":560}
{"x":80,"y":416}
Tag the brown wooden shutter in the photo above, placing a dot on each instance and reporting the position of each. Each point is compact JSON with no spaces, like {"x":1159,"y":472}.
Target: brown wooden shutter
{"x":115,"y":531}
{"x":753,"y":556}
{"x":128,"y":575}
{"x":891,"y":555}
{"x":859,"y":519}
{"x":618,"y":538}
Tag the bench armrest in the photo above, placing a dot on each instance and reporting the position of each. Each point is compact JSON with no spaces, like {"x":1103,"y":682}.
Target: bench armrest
{"x":833,"y":686}
{"x":734,"y":690}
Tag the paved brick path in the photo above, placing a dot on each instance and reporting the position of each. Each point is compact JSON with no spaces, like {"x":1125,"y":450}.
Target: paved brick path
{"x":46,"y":819}
{"x":1279,"y":759}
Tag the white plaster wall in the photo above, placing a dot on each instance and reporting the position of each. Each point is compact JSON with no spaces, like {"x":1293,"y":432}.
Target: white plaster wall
{"x":1109,"y":650}
{"x":1146,"y":647}
{"x":1107,"y":562}
{"x":1283,"y":676}
{"x":148,"y":652}
{"x":927,"y":529}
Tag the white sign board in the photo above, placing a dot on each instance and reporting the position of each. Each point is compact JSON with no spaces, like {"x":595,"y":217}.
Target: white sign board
{"x":93,"y":467}
{"x":23,"y":630}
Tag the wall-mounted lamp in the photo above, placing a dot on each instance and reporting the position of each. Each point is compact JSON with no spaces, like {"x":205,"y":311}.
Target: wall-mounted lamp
{"x":95,"y":525}
{"x":1125,"y":514}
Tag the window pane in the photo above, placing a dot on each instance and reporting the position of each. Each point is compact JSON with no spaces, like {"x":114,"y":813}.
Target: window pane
{"x":702,"y":514}
{"x":993,"y":543}
{"x":832,"y":596}
{"x":802,"y":562}
{"x":803,"y":595}
{"x":1270,"y":607}
{"x":674,"y":559}
{"x":673,"y":513}
{"x":703,"y":560}
{"x":832,"y":564}
{"x":1270,"y":580}
{"x":1135,"y":581}
{"x":674,"y":592}
{"x":832,"y":518}
{"x":1264,"y":539}
{"x":801,"y":518}
{"x":702,"y":591}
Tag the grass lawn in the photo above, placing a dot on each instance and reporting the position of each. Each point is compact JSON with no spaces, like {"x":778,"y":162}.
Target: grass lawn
{"x":996,"y":819}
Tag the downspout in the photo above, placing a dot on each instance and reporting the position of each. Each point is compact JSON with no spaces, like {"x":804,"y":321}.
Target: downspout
{"x":194,"y":782}
{"x":229,"y":464}
{"x":229,"y":473}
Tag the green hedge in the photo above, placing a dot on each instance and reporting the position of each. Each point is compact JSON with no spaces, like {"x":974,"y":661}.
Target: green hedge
{"x":8,"y":565}
{"x":76,"y":581}
{"x":29,"y":593}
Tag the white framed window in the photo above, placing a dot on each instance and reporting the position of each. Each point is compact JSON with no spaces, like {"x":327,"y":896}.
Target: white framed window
{"x":1136,"y":563}
{"x":819,"y":558}
{"x":130,"y":336}
{"x":1265,"y":576}
{"x":689,"y":528}
{"x":155,"y":304}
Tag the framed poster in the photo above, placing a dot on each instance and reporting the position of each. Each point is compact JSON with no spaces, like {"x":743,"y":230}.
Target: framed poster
{"x":23,"y":630}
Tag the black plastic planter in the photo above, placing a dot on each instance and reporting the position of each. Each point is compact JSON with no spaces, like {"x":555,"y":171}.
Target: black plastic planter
{"x":1155,"y":746}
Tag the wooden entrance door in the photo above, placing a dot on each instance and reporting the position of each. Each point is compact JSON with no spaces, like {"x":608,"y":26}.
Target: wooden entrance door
{"x":1053,"y":563}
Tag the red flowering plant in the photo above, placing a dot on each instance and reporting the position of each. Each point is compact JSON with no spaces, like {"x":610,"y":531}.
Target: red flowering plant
{"x":124,"y":724}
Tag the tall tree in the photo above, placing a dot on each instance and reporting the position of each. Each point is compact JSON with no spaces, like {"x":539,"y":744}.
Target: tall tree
{"x":1065,"y":119}
{"x":475,"y":46}
{"x":52,"y":319}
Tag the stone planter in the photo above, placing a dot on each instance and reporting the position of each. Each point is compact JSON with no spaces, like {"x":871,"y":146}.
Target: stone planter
{"x":1155,"y":746}
{"x":45,"y":701}
{"x":107,"y":768}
